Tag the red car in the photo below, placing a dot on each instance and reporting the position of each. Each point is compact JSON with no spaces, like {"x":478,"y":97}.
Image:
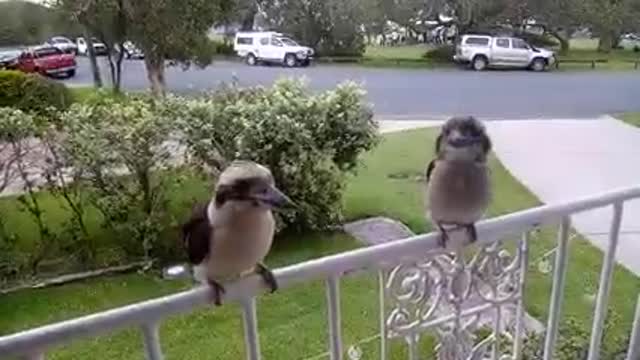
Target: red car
{"x":47,"y":60}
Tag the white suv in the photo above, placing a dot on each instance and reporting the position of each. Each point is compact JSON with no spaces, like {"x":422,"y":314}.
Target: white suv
{"x":483,"y":51}
{"x":271,"y":47}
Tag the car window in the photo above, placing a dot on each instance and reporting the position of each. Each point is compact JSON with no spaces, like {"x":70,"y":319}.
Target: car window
{"x":244,"y":41}
{"x":264,"y":41}
{"x":276,"y":42}
{"x":503,"y":43}
{"x":288,"y":42}
{"x":60,"y":41}
{"x":47,"y":52}
{"x":519,"y":44}
{"x":477,"y":41}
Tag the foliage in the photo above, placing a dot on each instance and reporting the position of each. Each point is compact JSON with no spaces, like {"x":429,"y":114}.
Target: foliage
{"x":331,"y":27}
{"x":441,"y":54}
{"x":308,"y":141}
{"x":121,"y":148}
{"x":32,"y":92}
{"x":105,"y":19}
{"x":573,"y":342}
{"x":26,"y":23}
{"x":17,"y":129}
{"x":536,"y":40}
{"x":173,"y":29}
{"x":223,"y":48}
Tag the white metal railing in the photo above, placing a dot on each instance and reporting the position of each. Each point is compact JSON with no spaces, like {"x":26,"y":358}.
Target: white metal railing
{"x":451,"y":283}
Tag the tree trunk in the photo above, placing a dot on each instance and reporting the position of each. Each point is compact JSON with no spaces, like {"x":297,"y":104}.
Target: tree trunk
{"x":97,"y":79}
{"x":563,"y":40}
{"x":609,"y":39}
{"x":155,"y":74}
{"x":115,"y":67}
{"x":248,"y":19}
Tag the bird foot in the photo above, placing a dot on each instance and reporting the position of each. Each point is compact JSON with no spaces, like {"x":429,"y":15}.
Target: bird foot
{"x":471,"y":230}
{"x":217,"y":291}
{"x":444,"y":237}
{"x":268,"y":276}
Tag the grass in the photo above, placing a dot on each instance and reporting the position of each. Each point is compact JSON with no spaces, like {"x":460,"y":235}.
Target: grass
{"x":292,"y":322}
{"x":411,"y":52}
{"x":631,"y":118}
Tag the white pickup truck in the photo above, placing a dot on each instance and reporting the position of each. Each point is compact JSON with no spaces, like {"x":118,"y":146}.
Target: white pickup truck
{"x":481,"y":52}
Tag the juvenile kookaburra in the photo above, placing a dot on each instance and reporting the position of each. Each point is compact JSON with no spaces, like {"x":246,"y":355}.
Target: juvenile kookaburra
{"x":229,"y":236}
{"x":458,"y":188}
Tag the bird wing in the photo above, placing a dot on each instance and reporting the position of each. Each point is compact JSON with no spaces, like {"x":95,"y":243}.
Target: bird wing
{"x":196,"y":234}
{"x":430,"y":168}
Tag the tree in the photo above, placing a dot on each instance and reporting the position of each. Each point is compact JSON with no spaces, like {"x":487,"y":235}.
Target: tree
{"x":333,"y":27}
{"x":84,"y":13}
{"x":558,"y":18}
{"x":609,"y":19}
{"x":176,"y":30}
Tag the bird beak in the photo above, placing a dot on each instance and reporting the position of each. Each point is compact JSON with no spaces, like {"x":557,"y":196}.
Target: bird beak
{"x":276,"y":198}
{"x":459,"y":141}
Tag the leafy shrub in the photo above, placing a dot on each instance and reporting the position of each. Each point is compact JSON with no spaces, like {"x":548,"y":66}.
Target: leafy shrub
{"x":537,"y":40}
{"x":347,"y":44}
{"x":308,"y":141}
{"x":223,"y":48}
{"x":573,"y":342}
{"x":32,"y":92}
{"x":636,"y":48}
{"x":441,"y":54}
{"x":120,"y":145}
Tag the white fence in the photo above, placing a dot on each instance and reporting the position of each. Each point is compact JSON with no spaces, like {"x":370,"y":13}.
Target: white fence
{"x":421,"y":288}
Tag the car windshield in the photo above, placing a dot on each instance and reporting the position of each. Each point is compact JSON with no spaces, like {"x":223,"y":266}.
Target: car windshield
{"x":46,"y":52}
{"x":288,"y":42}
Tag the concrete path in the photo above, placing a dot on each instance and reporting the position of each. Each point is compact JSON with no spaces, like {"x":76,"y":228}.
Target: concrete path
{"x":561,"y":160}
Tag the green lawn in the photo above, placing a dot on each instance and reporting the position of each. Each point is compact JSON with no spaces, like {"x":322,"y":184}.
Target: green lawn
{"x":292,"y":322}
{"x":397,"y":52}
{"x":631,"y":118}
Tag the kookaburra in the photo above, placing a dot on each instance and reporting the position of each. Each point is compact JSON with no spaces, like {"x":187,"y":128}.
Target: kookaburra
{"x":458,"y":188}
{"x":229,"y":236}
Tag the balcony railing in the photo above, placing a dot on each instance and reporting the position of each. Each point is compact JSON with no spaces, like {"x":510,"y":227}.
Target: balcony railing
{"x":430,"y":292}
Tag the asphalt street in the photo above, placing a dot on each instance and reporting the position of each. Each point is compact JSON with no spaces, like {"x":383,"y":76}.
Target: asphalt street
{"x":424,"y":93}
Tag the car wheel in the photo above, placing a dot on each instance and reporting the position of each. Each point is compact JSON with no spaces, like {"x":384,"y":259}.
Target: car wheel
{"x":71,"y":73}
{"x":252,"y":60}
{"x":538,"y":65}
{"x":479,"y":63}
{"x":290,"y":60}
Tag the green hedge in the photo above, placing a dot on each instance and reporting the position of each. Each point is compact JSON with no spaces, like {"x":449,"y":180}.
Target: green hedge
{"x":32,"y":92}
{"x":130,"y":195}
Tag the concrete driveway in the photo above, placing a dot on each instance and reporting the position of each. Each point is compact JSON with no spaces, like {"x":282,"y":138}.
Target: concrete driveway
{"x":566,"y":159}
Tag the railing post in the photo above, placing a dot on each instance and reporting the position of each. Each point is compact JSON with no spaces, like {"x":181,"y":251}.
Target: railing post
{"x":524,"y":266}
{"x":634,"y":343}
{"x":250,"y":320}
{"x":383,"y":319}
{"x":557,"y":291}
{"x":152,"y":341}
{"x":335,"y":331}
{"x":605,"y":284}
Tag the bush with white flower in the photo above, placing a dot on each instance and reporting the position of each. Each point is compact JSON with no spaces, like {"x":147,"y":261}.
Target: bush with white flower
{"x":309,"y":141}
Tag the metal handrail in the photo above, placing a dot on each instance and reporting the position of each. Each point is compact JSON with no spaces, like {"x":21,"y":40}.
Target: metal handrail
{"x":148,"y":314}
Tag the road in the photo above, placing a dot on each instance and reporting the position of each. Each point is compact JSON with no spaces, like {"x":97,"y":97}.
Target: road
{"x":423,"y":93}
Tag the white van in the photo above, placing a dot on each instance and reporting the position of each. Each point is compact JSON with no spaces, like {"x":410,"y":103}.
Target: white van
{"x":271,"y":47}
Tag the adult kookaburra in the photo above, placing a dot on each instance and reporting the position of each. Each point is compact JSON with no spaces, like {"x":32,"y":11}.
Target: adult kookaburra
{"x":458,"y":188}
{"x":230,"y":235}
